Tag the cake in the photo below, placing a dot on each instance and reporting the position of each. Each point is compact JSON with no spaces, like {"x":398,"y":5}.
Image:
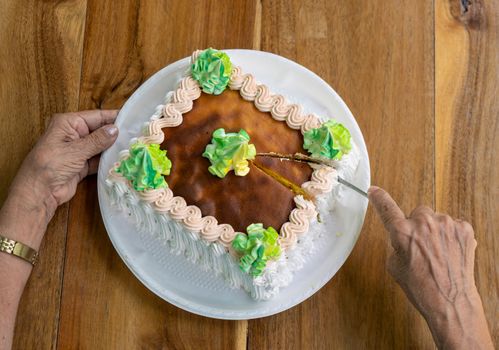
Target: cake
{"x":200,"y":178}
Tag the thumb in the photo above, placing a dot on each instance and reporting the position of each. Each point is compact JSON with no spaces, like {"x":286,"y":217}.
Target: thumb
{"x":99,"y":140}
{"x":387,"y":209}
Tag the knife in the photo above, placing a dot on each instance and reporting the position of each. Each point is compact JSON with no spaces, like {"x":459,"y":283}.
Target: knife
{"x":298,"y":157}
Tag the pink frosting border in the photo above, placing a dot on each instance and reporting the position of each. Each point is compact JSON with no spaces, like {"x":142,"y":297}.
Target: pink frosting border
{"x":163,"y":200}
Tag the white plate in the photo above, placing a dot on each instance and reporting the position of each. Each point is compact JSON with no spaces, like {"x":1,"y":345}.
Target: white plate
{"x":180,"y":282}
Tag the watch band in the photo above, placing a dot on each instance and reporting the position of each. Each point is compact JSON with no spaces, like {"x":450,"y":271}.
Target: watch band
{"x":18,"y":249}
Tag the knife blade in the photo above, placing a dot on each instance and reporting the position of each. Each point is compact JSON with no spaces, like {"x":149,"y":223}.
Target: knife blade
{"x":351,"y":186}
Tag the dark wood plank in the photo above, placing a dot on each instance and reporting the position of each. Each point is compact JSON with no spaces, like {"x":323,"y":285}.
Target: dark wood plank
{"x":379,"y":58}
{"x":467,"y":129}
{"x":40,"y":55}
{"x":103,"y":305}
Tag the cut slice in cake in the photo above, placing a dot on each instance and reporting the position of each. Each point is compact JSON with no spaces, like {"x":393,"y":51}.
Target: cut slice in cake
{"x":255,"y":226}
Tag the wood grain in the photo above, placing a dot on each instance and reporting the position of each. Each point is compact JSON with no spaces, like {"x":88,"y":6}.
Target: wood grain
{"x":40,"y":58}
{"x":421,"y":78}
{"x":379,"y":58}
{"x":103,"y":304}
{"x":467,"y":131}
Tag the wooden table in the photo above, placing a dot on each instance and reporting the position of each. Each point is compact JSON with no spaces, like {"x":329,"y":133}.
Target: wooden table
{"x":421,"y":78}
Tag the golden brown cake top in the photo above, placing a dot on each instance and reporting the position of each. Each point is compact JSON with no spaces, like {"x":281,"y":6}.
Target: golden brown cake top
{"x":238,"y":201}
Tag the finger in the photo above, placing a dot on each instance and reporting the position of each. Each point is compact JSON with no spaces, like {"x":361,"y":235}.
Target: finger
{"x":444,"y":219}
{"x":386,"y":207}
{"x":465,"y":226}
{"x":98,"y":117}
{"x":93,"y":165}
{"x":83,"y":172}
{"x":98,"y":141}
{"x":422,"y":211}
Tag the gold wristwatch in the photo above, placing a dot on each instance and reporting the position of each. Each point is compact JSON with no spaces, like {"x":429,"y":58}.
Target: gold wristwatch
{"x":18,"y":249}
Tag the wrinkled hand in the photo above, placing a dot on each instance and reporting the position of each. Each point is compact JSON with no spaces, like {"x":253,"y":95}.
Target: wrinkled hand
{"x":433,"y":254}
{"x":433,"y":262}
{"x":67,"y":152}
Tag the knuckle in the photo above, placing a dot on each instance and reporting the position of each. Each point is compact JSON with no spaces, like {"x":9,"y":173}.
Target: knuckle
{"x":40,"y":157}
{"x":446,"y":222}
{"x":427,"y":218}
{"x":58,"y":118}
{"x":446,"y":219}
{"x":422,"y":213}
{"x":403,"y":226}
{"x":465,"y":229}
{"x":415,"y":211}
{"x":469,"y":234}
{"x":423,"y":224}
{"x":466,"y":226}
{"x":419,"y":210}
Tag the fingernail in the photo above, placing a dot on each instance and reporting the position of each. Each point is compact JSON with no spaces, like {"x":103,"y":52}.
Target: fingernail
{"x":111,"y":130}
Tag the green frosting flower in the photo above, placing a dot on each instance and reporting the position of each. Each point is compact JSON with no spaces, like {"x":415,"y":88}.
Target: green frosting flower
{"x":330,"y":140}
{"x":259,"y":246}
{"x":146,"y":166}
{"x":212,"y":70}
{"x":228,"y":152}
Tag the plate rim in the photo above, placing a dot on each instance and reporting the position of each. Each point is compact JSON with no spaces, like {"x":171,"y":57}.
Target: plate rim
{"x":178,"y":300}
